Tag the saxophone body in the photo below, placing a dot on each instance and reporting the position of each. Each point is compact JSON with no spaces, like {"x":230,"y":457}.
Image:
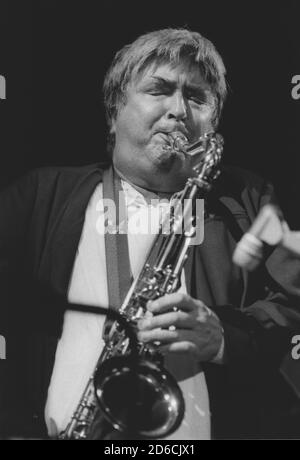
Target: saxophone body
{"x":130,"y":385}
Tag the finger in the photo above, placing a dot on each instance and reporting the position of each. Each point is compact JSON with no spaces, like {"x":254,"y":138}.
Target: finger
{"x":203,"y":350}
{"x":176,"y":299}
{"x":179,"y":319}
{"x":183,"y":347}
{"x":158,"y":335}
{"x":166,"y":336}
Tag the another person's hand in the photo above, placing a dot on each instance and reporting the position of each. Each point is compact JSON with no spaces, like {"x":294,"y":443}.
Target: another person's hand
{"x":182,"y":324}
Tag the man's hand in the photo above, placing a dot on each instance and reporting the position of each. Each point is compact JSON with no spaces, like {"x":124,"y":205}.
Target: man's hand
{"x":182,"y":324}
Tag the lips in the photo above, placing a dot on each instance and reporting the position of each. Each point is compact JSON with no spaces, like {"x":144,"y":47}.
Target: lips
{"x":163,"y":141}
{"x":166,"y":133}
{"x":173,"y":142}
{"x":164,"y":136}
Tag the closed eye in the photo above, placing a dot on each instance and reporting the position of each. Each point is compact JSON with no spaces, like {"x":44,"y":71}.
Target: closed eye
{"x":198,"y":100}
{"x":160,"y":91}
{"x":198,"y":97}
{"x":160,"y":86}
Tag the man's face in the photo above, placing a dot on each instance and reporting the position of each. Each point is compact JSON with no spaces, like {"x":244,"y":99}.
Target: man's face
{"x":163,"y":100}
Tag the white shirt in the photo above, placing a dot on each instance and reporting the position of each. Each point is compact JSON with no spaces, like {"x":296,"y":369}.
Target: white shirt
{"x":81,"y":342}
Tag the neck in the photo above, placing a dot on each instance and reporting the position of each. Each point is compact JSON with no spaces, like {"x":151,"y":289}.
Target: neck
{"x":148,"y":193}
{"x":149,"y":177}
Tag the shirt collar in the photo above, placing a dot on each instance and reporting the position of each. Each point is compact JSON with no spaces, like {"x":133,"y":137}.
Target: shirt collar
{"x":136,"y":195}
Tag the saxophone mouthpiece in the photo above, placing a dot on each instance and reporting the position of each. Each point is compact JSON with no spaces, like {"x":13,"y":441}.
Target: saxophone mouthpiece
{"x":178,"y":142}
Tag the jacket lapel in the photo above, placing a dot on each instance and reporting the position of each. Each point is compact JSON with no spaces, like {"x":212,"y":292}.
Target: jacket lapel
{"x":64,"y":236}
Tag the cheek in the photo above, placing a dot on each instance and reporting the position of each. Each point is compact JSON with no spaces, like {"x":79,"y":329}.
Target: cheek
{"x":147,"y":111}
{"x":126,"y":122}
{"x":202,"y":121}
{"x":139,"y":115}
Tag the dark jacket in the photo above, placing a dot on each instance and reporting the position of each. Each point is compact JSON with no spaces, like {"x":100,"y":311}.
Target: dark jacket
{"x":41,"y":219}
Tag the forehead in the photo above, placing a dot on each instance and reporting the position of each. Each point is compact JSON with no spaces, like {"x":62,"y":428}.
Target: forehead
{"x":184,"y":73}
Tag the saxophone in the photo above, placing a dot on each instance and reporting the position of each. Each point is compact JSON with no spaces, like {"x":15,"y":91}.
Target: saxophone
{"x":130,"y":385}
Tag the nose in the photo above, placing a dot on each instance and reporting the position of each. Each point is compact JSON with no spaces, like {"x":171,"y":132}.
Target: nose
{"x":177,"y":107}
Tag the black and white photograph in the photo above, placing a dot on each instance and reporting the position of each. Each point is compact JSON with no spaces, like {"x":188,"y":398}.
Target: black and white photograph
{"x":149,"y":223}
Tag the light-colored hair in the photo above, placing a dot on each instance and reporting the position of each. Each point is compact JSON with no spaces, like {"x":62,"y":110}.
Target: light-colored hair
{"x":157,"y":47}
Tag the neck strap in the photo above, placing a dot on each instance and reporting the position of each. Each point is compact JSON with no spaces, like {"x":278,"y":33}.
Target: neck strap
{"x":119,"y":277}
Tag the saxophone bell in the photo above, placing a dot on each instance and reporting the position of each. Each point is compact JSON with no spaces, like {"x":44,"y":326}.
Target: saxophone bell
{"x":139,"y":396}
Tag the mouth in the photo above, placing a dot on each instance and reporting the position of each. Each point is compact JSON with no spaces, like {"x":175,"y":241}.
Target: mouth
{"x":173,"y":142}
{"x":168,"y":137}
{"x":163,"y":136}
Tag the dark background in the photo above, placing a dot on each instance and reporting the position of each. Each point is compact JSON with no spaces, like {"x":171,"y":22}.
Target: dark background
{"x":54,"y":55}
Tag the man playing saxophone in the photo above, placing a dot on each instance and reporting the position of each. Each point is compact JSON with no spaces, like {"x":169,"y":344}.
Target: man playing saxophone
{"x":222,"y":334}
